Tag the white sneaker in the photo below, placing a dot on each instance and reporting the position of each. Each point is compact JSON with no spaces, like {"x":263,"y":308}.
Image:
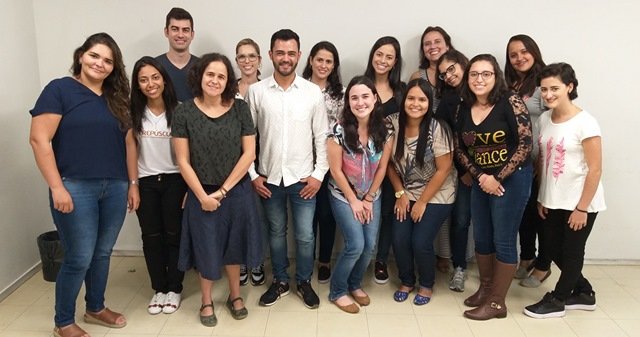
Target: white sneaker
{"x":171,"y":303}
{"x":156,"y":303}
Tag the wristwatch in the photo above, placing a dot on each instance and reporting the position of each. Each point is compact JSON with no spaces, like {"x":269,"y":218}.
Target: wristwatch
{"x":399,"y":194}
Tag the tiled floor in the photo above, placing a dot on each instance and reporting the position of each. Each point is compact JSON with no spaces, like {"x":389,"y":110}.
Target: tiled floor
{"x":28,"y":312}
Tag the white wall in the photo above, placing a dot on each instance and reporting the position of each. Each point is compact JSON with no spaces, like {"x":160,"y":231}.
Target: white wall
{"x":23,"y":200}
{"x":582,"y":33}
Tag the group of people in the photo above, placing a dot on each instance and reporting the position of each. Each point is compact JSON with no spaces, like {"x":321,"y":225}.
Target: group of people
{"x":199,"y":153}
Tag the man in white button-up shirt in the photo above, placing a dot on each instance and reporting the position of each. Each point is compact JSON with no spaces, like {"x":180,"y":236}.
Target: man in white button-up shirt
{"x":290,"y":115}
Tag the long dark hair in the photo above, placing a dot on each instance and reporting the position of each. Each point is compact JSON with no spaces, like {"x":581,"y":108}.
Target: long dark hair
{"x":424,"y":130}
{"x":334,"y":87}
{"x":424,"y":61}
{"x":139,"y":99}
{"x":197,"y":72}
{"x":395,"y":82}
{"x":499,"y":89}
{"x":454,"y":56}
{"x":527,"y":84}
{"x":376,"y":126}
{"x":115,"y":87}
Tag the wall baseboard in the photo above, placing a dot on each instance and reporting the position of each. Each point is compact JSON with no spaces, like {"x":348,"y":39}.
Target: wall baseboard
{"x":4,"y":293}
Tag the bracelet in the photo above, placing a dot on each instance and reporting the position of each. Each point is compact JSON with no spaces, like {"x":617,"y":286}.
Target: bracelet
{"x":223,"y":191}
{"x":581,"y":210}
{"x":133,"y":182}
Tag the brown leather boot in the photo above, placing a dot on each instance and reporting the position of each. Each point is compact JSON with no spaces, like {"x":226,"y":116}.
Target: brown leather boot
{"x":494,"y":306}
{"x":485,"y":268}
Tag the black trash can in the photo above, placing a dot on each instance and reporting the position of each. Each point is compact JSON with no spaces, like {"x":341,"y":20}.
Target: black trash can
{"x":51,"y":254}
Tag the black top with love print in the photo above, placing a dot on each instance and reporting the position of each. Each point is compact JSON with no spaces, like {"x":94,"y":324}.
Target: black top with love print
{"x":499,"y":144}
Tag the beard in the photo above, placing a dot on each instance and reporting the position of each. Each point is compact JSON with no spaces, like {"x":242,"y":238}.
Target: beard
{"x":280,"y":68}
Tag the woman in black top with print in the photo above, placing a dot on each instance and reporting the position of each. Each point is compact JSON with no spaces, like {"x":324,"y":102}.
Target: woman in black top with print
{"x":493,"y":137}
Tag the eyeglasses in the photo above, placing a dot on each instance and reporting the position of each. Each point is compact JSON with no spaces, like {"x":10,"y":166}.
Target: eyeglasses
{"x":484,"y":74}
{"x":245,"y":58}
{"x":450,"y":70}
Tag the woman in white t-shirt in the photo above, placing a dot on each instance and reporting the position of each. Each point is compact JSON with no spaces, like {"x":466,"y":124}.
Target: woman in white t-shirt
{"x":162,"y":189}
{"x":571,"y":193}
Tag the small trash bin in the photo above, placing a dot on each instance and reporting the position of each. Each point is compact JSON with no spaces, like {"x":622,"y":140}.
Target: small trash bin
{"x":51,"y":254}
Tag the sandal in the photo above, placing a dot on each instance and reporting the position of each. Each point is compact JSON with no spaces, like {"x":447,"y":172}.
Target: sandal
{"x":71,"y":330}
{"x":401,"y":296}
{"x":105,"y":317}
{"x":421,"y":300}
{"x":211,"y":320}
{"x":237,"y":314}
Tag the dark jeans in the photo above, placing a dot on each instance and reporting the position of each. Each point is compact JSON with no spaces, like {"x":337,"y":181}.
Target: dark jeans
{"x":386,"y":224}
{"x":530,"y":227}
{"x":324,"y":223}
{"x":160,"y":218}
{"x":566,"y":248}
{"x":460,"y":222}
{"x":496,"y":219}
{"x":413,"y":243}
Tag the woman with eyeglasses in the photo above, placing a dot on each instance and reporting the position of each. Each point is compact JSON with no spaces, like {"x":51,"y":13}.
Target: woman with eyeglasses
{"x":571,"y":193}
{"x":384,"y":68}
{"x":524,"y":63}
{"x":451,"y":67}
{"x":248,"y":60}
{"x":323,"y":69}
{"x":493,"y":136}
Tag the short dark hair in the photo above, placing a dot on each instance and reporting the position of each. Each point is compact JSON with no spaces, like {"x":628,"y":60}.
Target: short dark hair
{"x":284,"y":35}
{"x":334,"y":87}
{"x":527,"y":85}
{"x":424,"y":62}
{"x":565,"y":73}
{"x":197,"y":72}
{"x":178,"y":13}
{"x":499,"y":88}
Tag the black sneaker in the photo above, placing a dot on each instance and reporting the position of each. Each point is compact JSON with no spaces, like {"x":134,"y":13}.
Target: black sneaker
{"x":548,"y":307}
{"x":257,"y":275}
{"x":308,"y":296}
{"x":244,"y":277}
{"x":380,"y":273}
{"x":581,"y":301}
{"x":275,"y":291}
{"x":324,"y":274}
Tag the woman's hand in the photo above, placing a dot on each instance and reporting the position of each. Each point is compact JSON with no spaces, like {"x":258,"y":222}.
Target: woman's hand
{"x":209,"y":203}
{"x":133,"y":198}
{"x":402,"y":207}
{"x":542,"y":211}
{"x":490,"y":185}
{"x":466,"y":179}
{"x":577,"y":220}
{"x":359,"y":212}
{"x":417,"y":211}
{"x":368,"y":208}
{"x":62,"y":201}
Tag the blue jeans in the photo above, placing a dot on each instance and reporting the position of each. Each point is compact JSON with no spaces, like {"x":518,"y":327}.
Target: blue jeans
{"x":496,"y":219}
{"x":460,"y":222}
{"x":413,"y":241}
{"x":302,"y":210}
{"x":87,"y":234}
{"x":359,"y":245}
